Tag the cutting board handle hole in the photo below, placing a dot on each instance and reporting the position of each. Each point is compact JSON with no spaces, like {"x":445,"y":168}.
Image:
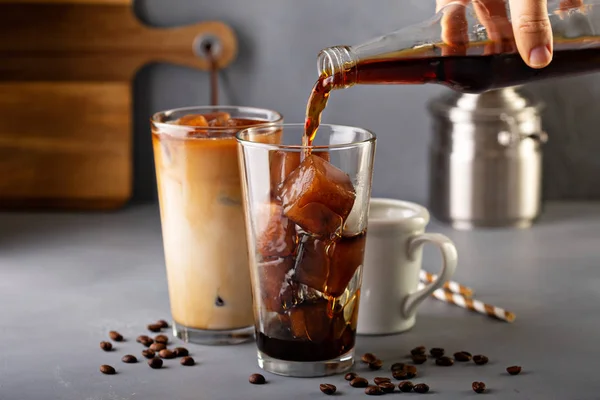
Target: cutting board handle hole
{"x":203,"y":44}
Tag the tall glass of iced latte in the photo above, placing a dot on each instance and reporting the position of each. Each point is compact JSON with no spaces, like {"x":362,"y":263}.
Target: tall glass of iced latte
{"x":202,"y":217}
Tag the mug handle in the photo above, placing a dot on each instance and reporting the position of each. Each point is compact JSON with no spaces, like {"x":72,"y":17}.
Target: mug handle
{"x":449,"y":261}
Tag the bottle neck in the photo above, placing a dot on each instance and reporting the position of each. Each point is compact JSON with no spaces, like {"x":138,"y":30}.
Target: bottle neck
{"x":339,"y":63}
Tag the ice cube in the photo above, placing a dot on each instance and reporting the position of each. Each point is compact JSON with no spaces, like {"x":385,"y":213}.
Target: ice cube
{"x":272,"y":282}
{"x":218,"y":118}
{"x":282,"y":163}
{"x":329,"y":266}
{"x":193,"y":120}
{"x":275,"y":234}
{"x":311,"y":321}
{"x":318,"y":196}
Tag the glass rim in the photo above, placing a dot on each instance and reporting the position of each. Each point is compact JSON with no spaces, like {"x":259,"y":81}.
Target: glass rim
{"x":298,"y":147}
{"x":154,"y":119}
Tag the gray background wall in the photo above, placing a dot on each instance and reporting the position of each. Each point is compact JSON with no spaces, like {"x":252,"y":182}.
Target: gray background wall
{"x":276,"y":67}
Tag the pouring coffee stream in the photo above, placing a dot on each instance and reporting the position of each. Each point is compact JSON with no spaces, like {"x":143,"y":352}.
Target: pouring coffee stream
{"x":418,"y":55}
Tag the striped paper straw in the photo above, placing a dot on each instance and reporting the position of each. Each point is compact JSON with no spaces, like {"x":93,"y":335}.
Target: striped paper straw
{"x":452,"y":286}
{"x":473,"y":305}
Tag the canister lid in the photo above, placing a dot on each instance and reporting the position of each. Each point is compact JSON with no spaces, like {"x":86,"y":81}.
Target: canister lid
{"x":459,"y":107}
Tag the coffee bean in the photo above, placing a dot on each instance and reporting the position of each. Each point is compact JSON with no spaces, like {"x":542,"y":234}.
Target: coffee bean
{"x":421,"y":388}
{"x":155,"y":363}
{"x":166,"y":353}
{"x":480,"y":359}
{"x":148,"y":353}
{"x":419,"y":358}
{"x":158,"y":346}
{"x":405,"y":386}
{"x":436,"y":352}
{"x":462,"y":356}
{"x":106,"y":346}
{"x":129,"y":359}
{"x":387,"y":387}
{"x":418,"y":350}
{"x":327,"y":388}
{"x":359,"y":382}
{"x":410,"y":369}
{"x":400,"y":375}
{"x":375,"y":365}
{"x":162,"y":323}
{"x":257,"y":379}
{"x":154,"y":327}
{"x":478,"y":387}
{"x":397,"y":366}
{"x":444,"y":361}
{"x":350,"y":375}
{"x":373,"y":391}
{"x":381,"y":379}
{"x":148,"y":342}
{"x":368,"y":358}
{"x":107,"y":369}
{"x":514,"y":370}
{"x":116,"y":336}
{"x":161,"y":339}
{"x":181,"y":351}
{"x":187,"y":361}
{"x":142,"y":338}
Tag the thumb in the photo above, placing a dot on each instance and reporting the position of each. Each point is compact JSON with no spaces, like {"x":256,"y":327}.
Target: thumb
{"x":533,"y":34}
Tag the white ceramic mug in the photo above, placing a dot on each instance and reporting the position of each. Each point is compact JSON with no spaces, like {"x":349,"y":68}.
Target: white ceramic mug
{"x":393,"y":255}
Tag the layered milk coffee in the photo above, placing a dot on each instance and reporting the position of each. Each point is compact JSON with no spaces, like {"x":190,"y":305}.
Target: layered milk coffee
{"x":203,"y":219}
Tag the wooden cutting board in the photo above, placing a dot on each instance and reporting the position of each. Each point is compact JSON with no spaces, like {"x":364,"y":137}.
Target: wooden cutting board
{"x":66,"y":71}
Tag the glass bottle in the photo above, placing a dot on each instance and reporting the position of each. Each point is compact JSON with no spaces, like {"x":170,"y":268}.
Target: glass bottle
{"x":475,"y":57}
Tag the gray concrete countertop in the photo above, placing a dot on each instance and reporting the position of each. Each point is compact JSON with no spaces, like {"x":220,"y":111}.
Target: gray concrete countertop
{"x":67,"y":279}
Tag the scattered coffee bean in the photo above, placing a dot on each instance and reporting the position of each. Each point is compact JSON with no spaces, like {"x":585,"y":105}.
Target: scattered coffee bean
{"x":397,"y":366}
{"x":375,"y":365}
{"x":116,"y":336}
{"x":421,"y":388}
{"x":480,"y":359}
{"x":257,"y":379}
{"x":444,"y":361}
{"x":436,"y":352}
{"x":166,"y":354}
{"x":107,"y":369}
{"x":148,"y":353}
{"x":129,"y":359}
{"x":418,"y":350}
{"x":181,"y":351}
{"x":158,"y":346}
{"x":148,"y":342}
{"x":381,"y":379}
{"x":368,"y":358}
{"x":411,"y":369}
{"x":514,"y":370}
{"x":419,"y":358}
{"x":405,"y":386}
{"x":161,"y":339}
{"x":401,"y":375}
{"x":478,"y":387}
{"x":155,"y":363}
{"x":373,"y":391}
{"x":142,"y":338}
{"x":163,"y":324}
{"x":154,"y":327}
{"x":327,"y":388}
{"x":350,"y":375}
{"x":462,"y":356}
{"x":106,"y":346}
{"x":359,"y":382}
{"x":187,"y":361}
{"x":387,"y":387}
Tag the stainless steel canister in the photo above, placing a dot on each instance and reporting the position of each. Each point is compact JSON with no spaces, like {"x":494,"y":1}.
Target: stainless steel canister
{"x":486,"y":159}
